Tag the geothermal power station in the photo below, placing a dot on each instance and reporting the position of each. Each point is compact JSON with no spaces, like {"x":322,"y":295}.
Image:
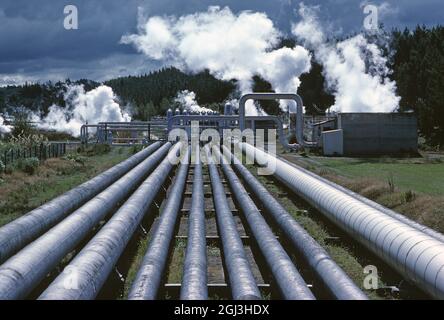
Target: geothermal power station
{"x":240,"y":242}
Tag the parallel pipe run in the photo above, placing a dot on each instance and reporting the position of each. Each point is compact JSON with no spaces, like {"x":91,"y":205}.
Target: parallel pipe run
{"x":433,"y":233}
{"x":332,"y":276}
{"x":95,"y":262}
{"x":414,"y":254}
{"x":23,"y":272}
{"x":288,"y":279}
{"x":148,"y":279}
{"x":242,"y":282}
{"x":194,"y":280}
{"x":18,"y":233}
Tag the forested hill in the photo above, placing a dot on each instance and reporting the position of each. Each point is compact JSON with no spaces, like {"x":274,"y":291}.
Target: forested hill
{"x":152,"y":93}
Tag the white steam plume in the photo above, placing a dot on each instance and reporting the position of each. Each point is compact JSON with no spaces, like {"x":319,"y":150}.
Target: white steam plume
{"x":97,"y":105}
{"x":187,"y":99}
{"x":4,"y":128}
{"x":355,"y":69}
{"x":230,"y":46}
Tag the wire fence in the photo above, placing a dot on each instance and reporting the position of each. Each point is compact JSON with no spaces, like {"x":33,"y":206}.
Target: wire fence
{"x":42,"y":152}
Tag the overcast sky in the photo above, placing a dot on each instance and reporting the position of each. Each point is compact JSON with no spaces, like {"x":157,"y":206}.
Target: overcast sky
{"x":34,"y":46}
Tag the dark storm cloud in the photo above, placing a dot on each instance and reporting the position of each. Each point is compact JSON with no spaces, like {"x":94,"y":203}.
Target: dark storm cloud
{"x":34,"y":45}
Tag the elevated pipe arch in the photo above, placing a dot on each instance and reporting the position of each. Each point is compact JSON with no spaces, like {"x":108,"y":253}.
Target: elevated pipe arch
{"x":279,"y":96}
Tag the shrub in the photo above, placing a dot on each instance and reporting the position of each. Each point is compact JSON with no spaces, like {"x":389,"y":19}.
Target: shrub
{"x":409,"y":196}
{"x":391,"y":183}
{"x":28,"y":165}
{"x":74,"y":157}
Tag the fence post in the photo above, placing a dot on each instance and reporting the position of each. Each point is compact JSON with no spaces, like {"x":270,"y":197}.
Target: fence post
{"x":6,"y":159}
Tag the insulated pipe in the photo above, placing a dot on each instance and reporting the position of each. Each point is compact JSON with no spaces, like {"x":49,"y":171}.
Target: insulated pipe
{"x":18,"y":233}
{"x":414,"y":254}
{"x":332,"y":276}
{"x":22,"y":272}
{"x":194,"y":280}
{"x":95,"y":262}
{"x":147,"y":282}
{"x":274,"y":96}
{"x":290,"y":282}
{"x":242,"y":282}
{"x":435,"y":234}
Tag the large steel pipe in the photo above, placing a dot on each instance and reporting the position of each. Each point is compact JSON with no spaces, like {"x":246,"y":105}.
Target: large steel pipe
{"x":194,"y":280}
{"x":22,"y":272}
{"x":414,"y":254}
{"x":148,"y":279}
{"x":332,"y":276}
{"x":433,"y":233}
{"x":18,"y":233}
{"x":290,"y":282}
{"x":242,"y":283}
{"x":92,"y":266}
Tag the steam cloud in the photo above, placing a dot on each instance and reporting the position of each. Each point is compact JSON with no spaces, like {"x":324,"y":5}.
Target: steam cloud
{"x":97,"y":105}
{"x":187,"y":99}
{"x":355,"y":69}
{"x":230,"y":46}
{"x":4,"y":128}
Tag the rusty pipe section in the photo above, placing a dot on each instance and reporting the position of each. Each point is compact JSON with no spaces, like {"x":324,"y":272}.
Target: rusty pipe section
{"x":18,"y":233}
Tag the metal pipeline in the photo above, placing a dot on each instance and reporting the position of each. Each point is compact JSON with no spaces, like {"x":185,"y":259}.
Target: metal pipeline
{"x":148,"y":278}
{"x":194,"y":280}
{"x":290,"y":282}
{"x":18,"y":233}
{"x":332,"y":276}
{"x":275,"y":96}
{"x":95,"y":262}
{"x":433,"y":233}
{"x":414,"y":254}
{"x":22,"y":272}
{"x":242,"y":282}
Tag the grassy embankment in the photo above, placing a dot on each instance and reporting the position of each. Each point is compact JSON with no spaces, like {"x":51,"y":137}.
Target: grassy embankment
{"x":21,"y":192}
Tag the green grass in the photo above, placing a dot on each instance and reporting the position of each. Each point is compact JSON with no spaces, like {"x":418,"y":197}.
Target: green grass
{"x":20,"y":193}
{"x":418,"y":175}
{"x":175,"y":268}
{"x":135,"y":265}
